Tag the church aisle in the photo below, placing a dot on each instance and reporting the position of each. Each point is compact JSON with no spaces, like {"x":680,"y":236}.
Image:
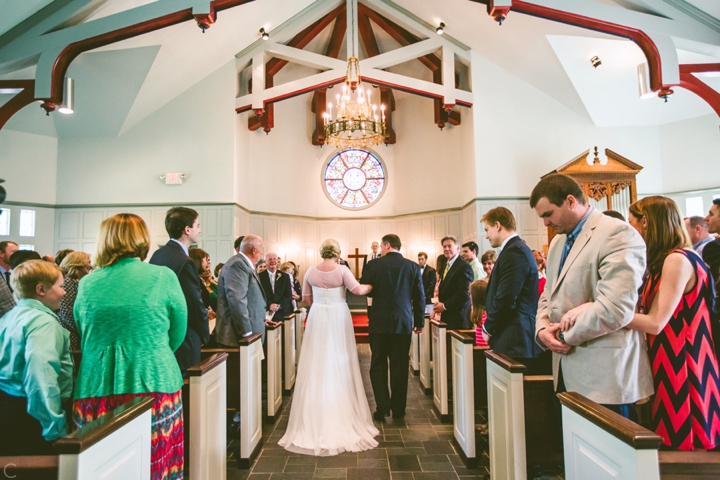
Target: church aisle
{"x":416,"y":448}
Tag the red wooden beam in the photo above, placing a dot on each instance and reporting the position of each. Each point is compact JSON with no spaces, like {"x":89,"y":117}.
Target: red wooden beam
{"x":697,"y":86}
{"x":388,"y":98}
{"x":318,"y":106}
{"x":19,"y":101}
{"x":338,"y":33}
{"x":367,"y":35}
{"x":399,"y":34}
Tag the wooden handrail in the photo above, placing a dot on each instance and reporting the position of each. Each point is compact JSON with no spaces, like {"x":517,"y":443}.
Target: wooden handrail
{"x":273,"y":327}
{"x":505,"y":362}
{"x":206,"y":365}
{"x":615,"y":424}
{"x":462,"y":336}
{"x":290,"y":317}
{"x":249,"y":339}
{"x":438,"y":323}
{"x":101,"y":428}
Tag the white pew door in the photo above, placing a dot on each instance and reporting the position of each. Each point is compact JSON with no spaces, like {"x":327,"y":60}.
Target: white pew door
{"x":596,"y":450}
{"x":274,"y":370}
{"x":440,"y":372}
{"x":289,"y":354}
{"x":208,"y":423}
{"x":300,"y":316}
{"x":506,"y":417}
{"x":464,"y":396}
{"x":425,"y":373}
{"x":250,"y":399}
{"x":415,"y":353}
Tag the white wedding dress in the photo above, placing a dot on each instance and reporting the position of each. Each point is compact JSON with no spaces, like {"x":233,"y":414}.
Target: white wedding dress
{"x":329,"y":413}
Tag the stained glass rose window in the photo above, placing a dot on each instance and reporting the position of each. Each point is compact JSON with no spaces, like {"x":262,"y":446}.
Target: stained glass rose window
{"x":354,"y":178}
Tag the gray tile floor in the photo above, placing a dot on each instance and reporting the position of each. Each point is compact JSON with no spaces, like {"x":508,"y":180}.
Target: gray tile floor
{"x":416,"y":448}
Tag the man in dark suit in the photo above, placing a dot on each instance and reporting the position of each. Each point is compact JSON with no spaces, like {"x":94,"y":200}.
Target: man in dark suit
{"x":512,"y":292}
{"x":454,"y":291}
{"x":711,"y":252}
{"x":429,"y":277}
{"x":399,"y":303}
{"x":182,"y":225}
{"x":277,"y":288}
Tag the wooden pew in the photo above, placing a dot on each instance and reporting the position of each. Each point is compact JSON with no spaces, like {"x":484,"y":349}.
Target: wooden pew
{"x":599,"y":439}
{"x":244,"y":393}
{"x":272,"y":369}
{"x":300,"y":316}
{"x":289,"y":354}
{"x":523,"y":429}
{"x":204,"y":408}
{"x":425,"y":357}
{"x":116,"y":446}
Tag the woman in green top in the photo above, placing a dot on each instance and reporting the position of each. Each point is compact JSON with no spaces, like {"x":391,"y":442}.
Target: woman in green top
{"x":131,"y":317}
{"x":35,"y":364}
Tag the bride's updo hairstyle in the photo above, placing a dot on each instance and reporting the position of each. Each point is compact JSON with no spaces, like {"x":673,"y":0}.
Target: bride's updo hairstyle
{"x":330,"y":248}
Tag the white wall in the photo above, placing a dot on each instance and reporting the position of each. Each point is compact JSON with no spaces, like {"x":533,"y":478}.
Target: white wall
{"x":690,"y":152}
{"x":43,"y":240}
{"x":28,"y":163}
{"x":193,"y":134}
{"x":522,"y":134}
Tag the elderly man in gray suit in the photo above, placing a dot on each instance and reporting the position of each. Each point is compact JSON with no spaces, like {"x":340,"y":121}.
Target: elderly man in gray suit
{"x":594,"y":270}
{"x":241,"y":301}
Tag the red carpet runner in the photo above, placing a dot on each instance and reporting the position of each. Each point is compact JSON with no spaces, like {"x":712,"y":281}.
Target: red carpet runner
{"x":360,"y":322}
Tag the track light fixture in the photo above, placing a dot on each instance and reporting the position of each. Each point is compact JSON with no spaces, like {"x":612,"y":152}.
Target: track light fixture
{"x":265,"y":35}
{"x":440,"y":29}
{"x":68,"y":105}
{"x":595,"y":61}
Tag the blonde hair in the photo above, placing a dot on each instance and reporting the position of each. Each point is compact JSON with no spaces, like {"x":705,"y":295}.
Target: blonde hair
{"x":124,"y":235}
{"x":287,"y":266}
{"x":478,"y":294}
{"x":74,"y":262}
{"x":26,"y":277}
{"x":330,"y":248}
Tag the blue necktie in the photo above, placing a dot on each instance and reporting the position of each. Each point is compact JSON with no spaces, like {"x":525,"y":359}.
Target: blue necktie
{"x":569,"y":241}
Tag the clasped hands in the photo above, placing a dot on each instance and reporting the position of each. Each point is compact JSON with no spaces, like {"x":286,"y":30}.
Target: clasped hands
{"x":550,"y":336}
{"x":439,"y":308}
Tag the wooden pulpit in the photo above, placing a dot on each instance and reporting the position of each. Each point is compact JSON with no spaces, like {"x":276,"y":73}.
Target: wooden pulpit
{"x":609,"y":186}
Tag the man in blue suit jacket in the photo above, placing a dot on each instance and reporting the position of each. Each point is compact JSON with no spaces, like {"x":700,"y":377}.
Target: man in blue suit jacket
{"x":512,"y":294}
{"x":183,"y":227}
{"x":398,"y":309}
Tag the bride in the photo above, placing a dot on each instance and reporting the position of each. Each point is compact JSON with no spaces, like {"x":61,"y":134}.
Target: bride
{"x":329,"y":413}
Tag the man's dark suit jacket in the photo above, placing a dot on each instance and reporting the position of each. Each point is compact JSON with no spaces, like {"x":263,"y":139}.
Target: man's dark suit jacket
{"x":512,"y":302}
{"x":398,"y":297}
{"x":711,"y":256}
{"x":173,"y":256}
{"x":369,"y":258}
{"x":282,"y":295}
{"x":454,"y":293}
{"x":429,"y":278}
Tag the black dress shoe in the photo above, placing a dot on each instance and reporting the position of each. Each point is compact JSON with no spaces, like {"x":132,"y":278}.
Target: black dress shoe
{"x":398,"y":416}
{"x":380,"y":417}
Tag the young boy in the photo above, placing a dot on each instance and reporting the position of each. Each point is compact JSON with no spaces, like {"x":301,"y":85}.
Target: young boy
{"x":36,"y":366}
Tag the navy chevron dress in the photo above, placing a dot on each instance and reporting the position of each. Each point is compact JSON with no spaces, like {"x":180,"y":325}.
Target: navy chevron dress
{"x":686,"y":407}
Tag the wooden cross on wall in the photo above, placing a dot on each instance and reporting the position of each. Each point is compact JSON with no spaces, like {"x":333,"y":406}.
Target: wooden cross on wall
{"x":357,"y":256}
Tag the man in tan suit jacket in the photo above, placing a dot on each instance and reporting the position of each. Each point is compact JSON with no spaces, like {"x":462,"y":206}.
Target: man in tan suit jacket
{"x":597,"y":262}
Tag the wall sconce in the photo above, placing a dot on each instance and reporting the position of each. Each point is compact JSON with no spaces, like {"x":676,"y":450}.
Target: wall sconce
{"x":595,"y":61}
{"x":68,"y":105}
{"x":265,"y":35}
{"x":440,"y":29}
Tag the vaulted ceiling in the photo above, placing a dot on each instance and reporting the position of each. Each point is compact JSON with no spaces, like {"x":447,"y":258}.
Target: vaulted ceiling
{"x":126,"y":81}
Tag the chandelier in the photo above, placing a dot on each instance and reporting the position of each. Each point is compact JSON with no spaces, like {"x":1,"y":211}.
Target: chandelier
{"x":357,"y":122}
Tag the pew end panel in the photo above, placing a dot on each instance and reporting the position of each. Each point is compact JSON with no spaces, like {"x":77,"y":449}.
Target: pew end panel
{"x":300,"y":316}
{"x":440,"y":371}
{"x":599,"y":440}
{"x":480,"y":377}
{"x":206,"y":427}
{"x":273,"y":374}
{"x":506,"y":417}
{"x":425,"y":353}
{"x":250,"y":399}
{"x":463,"y":397}
{"x":415,"y":354}
{"x":115,"y":446}
{"x":289,"y":354}
{"x":543,"y":432}
{"x":232,"y":370}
